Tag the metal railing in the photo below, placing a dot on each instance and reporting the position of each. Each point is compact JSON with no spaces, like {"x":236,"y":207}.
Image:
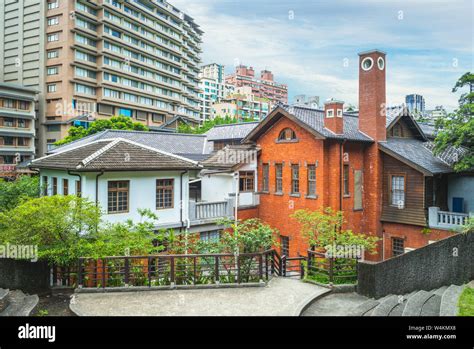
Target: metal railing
{"x":172,"y":270}
{"x":328,"y":270}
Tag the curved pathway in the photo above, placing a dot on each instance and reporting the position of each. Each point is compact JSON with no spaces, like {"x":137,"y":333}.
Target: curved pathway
{"x":281,"y":297}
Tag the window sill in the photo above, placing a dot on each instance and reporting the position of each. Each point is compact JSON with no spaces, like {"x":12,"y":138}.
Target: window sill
{"x":346,"y":196}
{"x":295,"y":195}
{"x":312,"y":197}
{"x":264,"y":192}
{"x":287,"y":141}
{"x":279,"y":193}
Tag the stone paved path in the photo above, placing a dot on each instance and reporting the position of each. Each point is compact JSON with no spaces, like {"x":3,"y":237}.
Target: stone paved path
{"x":281,"y":297}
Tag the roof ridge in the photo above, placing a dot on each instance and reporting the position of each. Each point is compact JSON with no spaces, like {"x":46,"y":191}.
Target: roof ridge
{"x":99,"y":152}
{"x":155,"y":132}
{"x":236,"y":124}
{"x":80,"y":139}
{"x":73,"y":148}
{"x":154,"y":150}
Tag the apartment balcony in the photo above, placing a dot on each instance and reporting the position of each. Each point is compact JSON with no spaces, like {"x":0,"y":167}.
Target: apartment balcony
{"x":446,"y":220}
{"x":210,"y":212}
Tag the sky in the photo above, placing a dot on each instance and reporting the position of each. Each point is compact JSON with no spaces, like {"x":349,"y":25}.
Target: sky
{"x":312,"y":45}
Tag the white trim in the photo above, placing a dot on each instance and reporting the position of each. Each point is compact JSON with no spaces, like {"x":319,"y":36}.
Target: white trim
{"x":380,"y":59}
{"x":112,"y":142}
{"x":367,"y":59}
{"x":99,"y":152}
{"x":329,"y":111}
{"x":339,"y":113}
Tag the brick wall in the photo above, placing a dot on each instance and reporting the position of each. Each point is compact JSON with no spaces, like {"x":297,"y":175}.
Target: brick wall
{"x":412,"y":235}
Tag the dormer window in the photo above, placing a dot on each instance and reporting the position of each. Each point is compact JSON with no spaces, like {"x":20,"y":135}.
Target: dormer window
{"x":287,"y":135}
{"x":330,"y":113}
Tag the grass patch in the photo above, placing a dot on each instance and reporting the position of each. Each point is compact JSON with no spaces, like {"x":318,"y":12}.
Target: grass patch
{"x":466,"y":302}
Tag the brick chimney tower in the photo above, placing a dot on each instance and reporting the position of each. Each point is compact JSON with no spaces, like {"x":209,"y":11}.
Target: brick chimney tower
{"x":372,"y":101}
{"x":333,"y":120}
{"x":372,"y":121}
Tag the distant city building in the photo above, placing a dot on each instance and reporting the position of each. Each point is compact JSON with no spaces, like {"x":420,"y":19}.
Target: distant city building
{"x":17,"y":128}
{"x":438,"y":112}
{"x":242,"y":104}
{"x":415,"y":103}
{"x":302,"y":101}
{"x":96,"y":59}
{"x":213,"y":88}
{"x":264,"y":87}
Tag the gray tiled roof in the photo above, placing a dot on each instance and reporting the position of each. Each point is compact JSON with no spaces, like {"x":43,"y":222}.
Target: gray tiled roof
{"x":428,"y":129}
{"x":231,"y":131}
{"x":175,"y":143}
{"x":230,"y":156}
{"x":314,"y":118}
{"x":113,"y":155}
{"x":416,"y":152}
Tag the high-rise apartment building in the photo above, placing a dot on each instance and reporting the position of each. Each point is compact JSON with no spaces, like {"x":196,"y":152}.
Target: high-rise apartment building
{"x":22,"y":47}
{"x":415,"y":103}
{"x":17,"y":127}
{"x":213,"y":88}
{"x":103,"y":58}
{"x":264,"y":87}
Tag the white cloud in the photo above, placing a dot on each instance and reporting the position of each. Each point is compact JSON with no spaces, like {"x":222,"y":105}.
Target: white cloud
{"x":308,"y":51}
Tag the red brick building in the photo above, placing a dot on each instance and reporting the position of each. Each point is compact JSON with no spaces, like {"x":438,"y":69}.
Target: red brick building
{"x":376,"y":167}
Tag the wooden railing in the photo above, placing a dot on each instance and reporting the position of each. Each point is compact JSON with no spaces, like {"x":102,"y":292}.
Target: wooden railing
{"x":172,"y":270}
{"x":330,"y":270}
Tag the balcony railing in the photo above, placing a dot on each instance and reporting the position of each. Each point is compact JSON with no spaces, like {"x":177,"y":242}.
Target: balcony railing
{"x":446,"y":220}
{"x":210,"y":211}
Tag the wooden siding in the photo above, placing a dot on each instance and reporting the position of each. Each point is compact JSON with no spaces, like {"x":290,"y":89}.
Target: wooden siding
{"x":414,"y":211}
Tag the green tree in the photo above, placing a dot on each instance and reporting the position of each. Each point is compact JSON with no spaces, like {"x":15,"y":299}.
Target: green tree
{"x":12,"y":193}
{"x":323,"y":228}
{"x":114,"y":123}
{"x":458,"y":128}
{"x":58,"y":225}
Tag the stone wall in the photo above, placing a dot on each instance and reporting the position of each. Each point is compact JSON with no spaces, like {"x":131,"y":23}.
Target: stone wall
{"x":448,"y":261}
{"x":24,"y":275}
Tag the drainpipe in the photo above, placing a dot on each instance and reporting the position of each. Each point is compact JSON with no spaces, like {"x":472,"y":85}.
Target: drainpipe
{"x":181,"y":200}
{"x":237,"y":192}
{"x":97,"y":187}
{"x":341,"y":174}
{"x":69,"y":172}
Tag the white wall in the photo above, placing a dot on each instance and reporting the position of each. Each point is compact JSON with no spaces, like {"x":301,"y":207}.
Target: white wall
{"x":142,"y":193}
{"x":217,"y":187}
{"x":461,"y":187}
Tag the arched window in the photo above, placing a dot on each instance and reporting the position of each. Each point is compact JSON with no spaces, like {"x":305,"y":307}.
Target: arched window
{"x":287,"y":134}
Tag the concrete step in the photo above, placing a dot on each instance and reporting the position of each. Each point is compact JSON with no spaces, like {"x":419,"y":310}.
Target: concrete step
{"x":415,"y":303}
{"x":431,"y":306}
{"x":449,"y":301}
{"x":386,"y":306}
{"x":4,"y":302}
{"x":398,"y":310}
{"x":20,"y":304}
{"x":364,"y":309}
{"x":440,"y":291}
